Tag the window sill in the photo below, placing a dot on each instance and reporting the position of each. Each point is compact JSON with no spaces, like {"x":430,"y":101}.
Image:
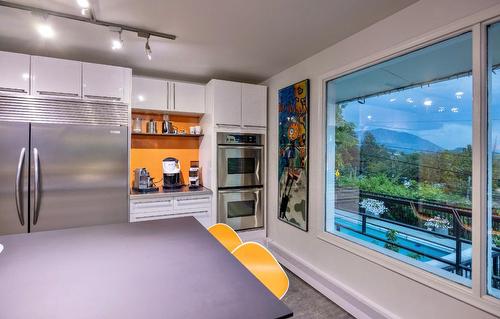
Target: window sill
{"x":455,"y":290}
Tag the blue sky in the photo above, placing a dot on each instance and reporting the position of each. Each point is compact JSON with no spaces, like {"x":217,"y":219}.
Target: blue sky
{"x":440,"y":113}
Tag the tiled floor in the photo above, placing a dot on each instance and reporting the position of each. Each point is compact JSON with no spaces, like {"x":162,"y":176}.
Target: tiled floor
{"x":308,"y":303}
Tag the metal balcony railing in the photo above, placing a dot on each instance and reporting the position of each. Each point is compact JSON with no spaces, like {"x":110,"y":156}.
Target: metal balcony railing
{"x":460,"y":218}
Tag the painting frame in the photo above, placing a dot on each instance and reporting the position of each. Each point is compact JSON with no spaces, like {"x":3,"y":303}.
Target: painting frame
{"x":293,"y":154}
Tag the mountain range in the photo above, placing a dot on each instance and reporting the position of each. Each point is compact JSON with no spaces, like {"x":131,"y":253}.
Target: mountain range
{"x":401,"y":141}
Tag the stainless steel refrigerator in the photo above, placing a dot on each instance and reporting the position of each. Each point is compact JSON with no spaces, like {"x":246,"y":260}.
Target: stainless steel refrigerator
{"x":63,"y":163}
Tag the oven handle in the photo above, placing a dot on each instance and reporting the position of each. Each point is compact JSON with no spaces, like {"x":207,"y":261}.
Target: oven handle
{"x":241,"y":190}
{"x":241,"y":147}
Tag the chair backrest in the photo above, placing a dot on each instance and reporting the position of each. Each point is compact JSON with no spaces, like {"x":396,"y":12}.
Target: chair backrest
{"x":262,"y":264}
{"x":226,"y":236}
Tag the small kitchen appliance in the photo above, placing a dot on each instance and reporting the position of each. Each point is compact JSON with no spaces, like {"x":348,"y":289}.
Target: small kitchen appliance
{"x":137,"y":126}
{"x":151,"y":127}
{"x":171,"y":173}
{"x":166,"y":126}
{"x":194,"y":174}
{"x":143,"y":181}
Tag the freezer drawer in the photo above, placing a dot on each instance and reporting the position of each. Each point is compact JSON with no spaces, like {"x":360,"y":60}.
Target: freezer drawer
{"x":80,"y":176}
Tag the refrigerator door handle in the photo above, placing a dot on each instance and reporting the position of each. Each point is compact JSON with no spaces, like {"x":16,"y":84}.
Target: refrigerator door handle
{"x":36,"y":195}
{"x":19,"y":175}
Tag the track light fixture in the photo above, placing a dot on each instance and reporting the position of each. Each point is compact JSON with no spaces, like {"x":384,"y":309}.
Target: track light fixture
{"x":147,"y":47}
{"x":117,"y":43}
{"x":43,"y":27}
{"x":148,"y":50}
{"x":84,"y":4}
{"x":90,"y":18}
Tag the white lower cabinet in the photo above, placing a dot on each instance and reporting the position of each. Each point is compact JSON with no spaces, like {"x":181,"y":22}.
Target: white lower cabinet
{"x":198,"y":206}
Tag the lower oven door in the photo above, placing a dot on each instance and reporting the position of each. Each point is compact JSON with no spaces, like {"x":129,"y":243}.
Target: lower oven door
{"x":241,"y":208}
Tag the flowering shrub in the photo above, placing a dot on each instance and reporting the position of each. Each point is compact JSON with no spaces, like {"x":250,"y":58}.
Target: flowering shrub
{"x":373,"y":206}
{"x":437,"y":223}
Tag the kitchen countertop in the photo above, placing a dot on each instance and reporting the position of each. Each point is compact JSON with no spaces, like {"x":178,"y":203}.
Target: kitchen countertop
{"x":183,"y":191}
{"x":162,"y":269}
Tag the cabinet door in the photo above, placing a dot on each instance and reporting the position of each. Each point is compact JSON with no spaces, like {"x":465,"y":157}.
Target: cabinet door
{"x":253,"y":105}
{"x":56,"y":77}
{"x":15,"y":72}
{"x":188,"y":97}
{"x":227,"y":103}
{"x":103,"y":82}
{"x":149,"y":94}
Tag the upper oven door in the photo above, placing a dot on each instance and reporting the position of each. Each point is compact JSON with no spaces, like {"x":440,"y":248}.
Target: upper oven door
{"x":240,"y":166}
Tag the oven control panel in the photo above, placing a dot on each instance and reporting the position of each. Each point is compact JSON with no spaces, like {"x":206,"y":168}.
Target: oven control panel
{"x":241,"y":139}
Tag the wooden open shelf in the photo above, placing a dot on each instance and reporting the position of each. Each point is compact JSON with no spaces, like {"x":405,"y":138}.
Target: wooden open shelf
{"x":167,"y":135}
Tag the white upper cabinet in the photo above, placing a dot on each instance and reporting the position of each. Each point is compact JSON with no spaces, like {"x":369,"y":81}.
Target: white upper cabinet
{"x":253,"y":105}
{"x":104,"y":82}
{"x":227,"y":103}
{"x":56,"y":77}
{"x":187,"y":97}
{"x":149,"y":94}
{"x":14,"y":72}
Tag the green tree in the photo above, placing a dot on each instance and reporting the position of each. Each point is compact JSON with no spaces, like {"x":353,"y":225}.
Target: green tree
{"x":346,"y":144}
{"x":374,"y":158}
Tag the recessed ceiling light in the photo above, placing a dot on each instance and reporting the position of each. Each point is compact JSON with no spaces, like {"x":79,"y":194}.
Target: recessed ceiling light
{"x":83,"y":3}
{"x":428,"y":102}
{"x":45,"y":30}
{"x":392,"y":100}
{"x":409,"y":100}
{"x":141,"y":98}
{"x":454,"y":109}
{"x":459,"y":95}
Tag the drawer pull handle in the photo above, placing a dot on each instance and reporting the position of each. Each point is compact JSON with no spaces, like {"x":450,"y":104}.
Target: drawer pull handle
{"x":13,"y":90}
{"x":192,"y":199}
{"x":256,"y":126}
{"x":58,"y":93}
{"x":102,"y":97}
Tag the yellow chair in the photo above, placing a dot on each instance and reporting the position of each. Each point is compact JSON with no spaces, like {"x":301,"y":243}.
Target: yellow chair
{"x":262,"y":264}
{"x":225,"y":235}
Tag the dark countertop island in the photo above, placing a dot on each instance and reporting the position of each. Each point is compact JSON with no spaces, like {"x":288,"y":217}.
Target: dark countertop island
{"x":156,"y":270}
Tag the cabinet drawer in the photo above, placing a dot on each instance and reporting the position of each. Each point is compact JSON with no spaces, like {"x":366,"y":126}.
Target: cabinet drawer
{"x":192,"y":203}
{"x":164,"y":206}
{"x":200,"y":214}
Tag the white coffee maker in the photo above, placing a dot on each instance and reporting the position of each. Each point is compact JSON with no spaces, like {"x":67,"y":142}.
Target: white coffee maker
{"x":171,"y":173}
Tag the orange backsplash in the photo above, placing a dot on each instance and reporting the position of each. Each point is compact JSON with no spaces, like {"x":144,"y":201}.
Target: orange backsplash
{"x":149,"y":151}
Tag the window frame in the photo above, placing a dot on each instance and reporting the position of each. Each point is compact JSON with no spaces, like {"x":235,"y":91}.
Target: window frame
{"x":477,"y":294}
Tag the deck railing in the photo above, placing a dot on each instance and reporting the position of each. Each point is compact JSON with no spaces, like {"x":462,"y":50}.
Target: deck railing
{"x":460,"y":218}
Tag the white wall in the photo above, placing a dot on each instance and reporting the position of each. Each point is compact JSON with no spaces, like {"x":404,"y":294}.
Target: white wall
{"x":398,"y":295}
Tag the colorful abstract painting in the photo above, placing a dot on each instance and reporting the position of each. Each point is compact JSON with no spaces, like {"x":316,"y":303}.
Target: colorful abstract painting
{"x":293,"y":154}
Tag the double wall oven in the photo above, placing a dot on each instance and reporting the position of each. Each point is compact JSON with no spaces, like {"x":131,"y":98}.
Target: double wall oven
{"x":240,"y":179}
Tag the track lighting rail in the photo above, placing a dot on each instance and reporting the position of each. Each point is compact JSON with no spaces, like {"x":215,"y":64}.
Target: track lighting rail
{"x":91,"y":20}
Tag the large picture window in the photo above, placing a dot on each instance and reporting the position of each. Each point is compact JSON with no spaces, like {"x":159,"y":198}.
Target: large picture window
{"x":494,"y":160}
{"x":399,"y":158}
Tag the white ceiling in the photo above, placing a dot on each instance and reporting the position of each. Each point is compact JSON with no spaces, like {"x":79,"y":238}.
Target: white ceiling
{"x":227,"y":39}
